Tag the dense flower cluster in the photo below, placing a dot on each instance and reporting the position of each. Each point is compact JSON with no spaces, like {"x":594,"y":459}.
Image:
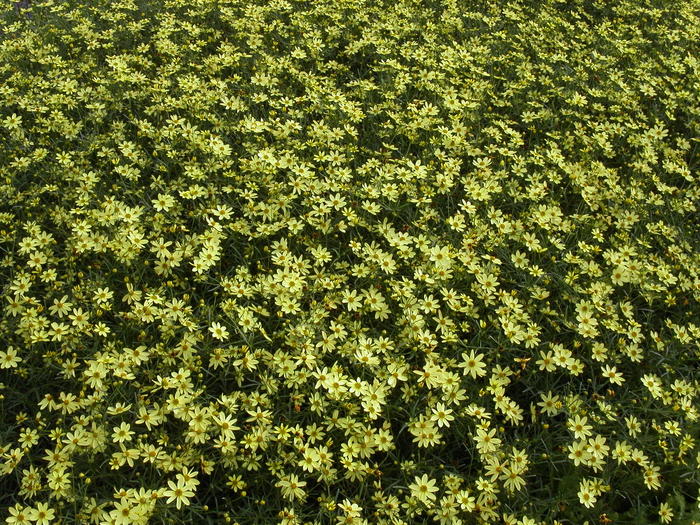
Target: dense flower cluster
{"x":349,"y":261}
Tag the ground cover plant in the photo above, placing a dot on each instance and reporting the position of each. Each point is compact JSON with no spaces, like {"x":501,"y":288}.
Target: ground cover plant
{"x":349,"y":261}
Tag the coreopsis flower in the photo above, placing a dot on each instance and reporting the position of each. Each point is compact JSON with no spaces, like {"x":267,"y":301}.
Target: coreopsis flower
{"x":423,"y":489}
{"x":42,"y":514}
{"x":61,"y":306}
{"x":473,"y":364}
{"x":179,"y":493}
{"x":665,"y":513}
{"x":9,"y":358}
{"x":512,"y":479}
{"x":486,"y":441}
{"x":218,"y":331}
{"x":19,"y":515}
{"x":652,"y":478}
{"x":122,"y":433}
{"x":578,"y":426}
{"x":291,"y":487}
{"x":442,"y":415}
{"x":586,"y":496}
{"x":578,"y":452}
{"x":613,"y":375}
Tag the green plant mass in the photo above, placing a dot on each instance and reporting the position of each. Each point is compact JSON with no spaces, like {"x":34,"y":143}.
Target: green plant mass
{"x":350,"y":262}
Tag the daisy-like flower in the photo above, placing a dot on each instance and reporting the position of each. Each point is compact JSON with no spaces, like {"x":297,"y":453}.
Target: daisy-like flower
{"x":578,"y":452}
{"x":124,"y":513}
{"x":218,"y":331}
{"x":122,"y":433}
{"x":42,"y":514}
{"x":597,"y":446}
{"x":665,"y":513}
{"x":440,"y":255}
{"x":179,"y":493}
{"x":622,"y":452}
{"x":473,"y":364}
{"x":652,"y":478}
{"x":163,"y":202}
{"x":613,"y":375}
{"x":586,"y":495}
{"x":423,"y":489}
{"x":102,"y":295}
{"x":9,"y":359}
{"x":578,"y":426}
{"x":466,"y":501}
{"x":486,"y":441}
{"x":550,"y":404}
{"x":291,"y":487}
{"x":512,"y":479}
{"x":351,"y":299}
{"x":442,"y":415}
{"x":61,"y":306}
{"x":19,"y":515}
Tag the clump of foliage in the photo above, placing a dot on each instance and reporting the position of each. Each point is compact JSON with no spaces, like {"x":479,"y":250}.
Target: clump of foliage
{"x":349,"y":261}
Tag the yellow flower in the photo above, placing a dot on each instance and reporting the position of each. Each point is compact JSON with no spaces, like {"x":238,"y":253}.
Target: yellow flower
{"x":163,"y":202}
{"x":473,"y":364}
{"x":546,"y":362}
{"x":613,"y":375}
{"x":218,"y":331}
{"x":550,"y":404}
{"x":291,"y":487}
{"x":351,"y":299}
{"x":578,"y":426}
{"x":60,"y":307}
{"x":652,"y":478}
{"x":512,"y":479}
{"x":124,"y":513}
{"x":122,"y":433}
{"x":665,"y":513}
{"x":9,"y":358}
{"x":42,"y":514}
{"x":486,"y":441}
{"x":102,"y":295}
{"x":586,"y":494}
{"x":578,"y":453}
{"x":423,"y":489}
{"x":597,"y":446}
{"x":442,"y":415}
{"x":18,"y":515}
{"x":179,"y":493}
